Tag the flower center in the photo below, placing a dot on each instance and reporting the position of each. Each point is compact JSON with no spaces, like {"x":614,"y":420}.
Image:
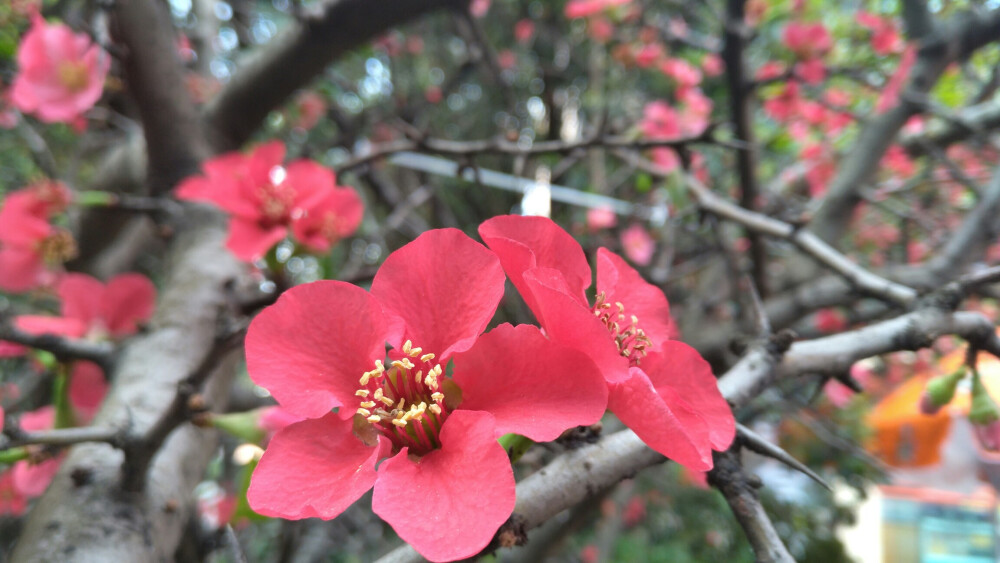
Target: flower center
{"x":631,"y":341}
{"x":73,"y":75}
{"x":276,"y":202}
{"x":404,"y":401}
{"x":57,"y":247}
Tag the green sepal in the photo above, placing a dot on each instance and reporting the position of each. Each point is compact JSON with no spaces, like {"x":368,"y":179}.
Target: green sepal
{"x":243,"y":425}
{"x":984,"y":409}
{"x":941,"y":389}
{"x":516,"y":445}
{"x":13,"y":455}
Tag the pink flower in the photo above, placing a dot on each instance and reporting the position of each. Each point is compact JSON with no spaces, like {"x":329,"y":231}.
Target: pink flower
{"x":898,"y":162}
{"x":683,"y":72}
{"x":770,"y":70}
{"x":638,"y":245}
{"x":660,"y":121}
{"x":332,"y":212}
{"x":659,"y":387}
{"x":524,"y":30}
{"x":264,"y":200}
{"x":807,"y":40}
{"x":506,"y":59}
{"x":885,"y":37}
{"x":584,"y":8}
{"x":311,"y":108}
{"x":31,"y":479}
{"x":87,"y":389}
{"x":600,"y":218}
{"x":11,"y":500}
{"x":94,"y":310}
{"x":447,"y":484}
{"x":821,"y":167}
{"x":478,"y":8}
{"x":648,"y":54}
{"x":712,"y":65}
{"x":812,"y":71}
{"x":32,"y":250}
{"x":61,"y":73}
{"x":786,"y":104}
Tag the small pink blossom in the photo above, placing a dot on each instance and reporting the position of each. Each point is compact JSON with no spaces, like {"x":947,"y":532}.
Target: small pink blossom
{"x":684,"y":73}
{"x":61,"y":74}
{"x":770,"y":70}
{"x":807,"y":40}
{"x":712,"y":65}
{"x":885,"y":37}
{"x":600,"y":218}
{"x":32,"y":250}
{"x":478,"y":8}
{"x":812,"y":71}
{"x":524,"y":30}
{"x":584,"y":8}
{"x":898,"y":162}
{"x":311,"y":108}
{"x":638,"y":245}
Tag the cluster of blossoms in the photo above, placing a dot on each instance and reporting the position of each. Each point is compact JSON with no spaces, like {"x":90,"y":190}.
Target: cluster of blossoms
{"x":93,"y":311}
{"x":420,"y":424}
{"x":61,"y":73}
{"x":266,"y":200}
{"x":32,"y":248}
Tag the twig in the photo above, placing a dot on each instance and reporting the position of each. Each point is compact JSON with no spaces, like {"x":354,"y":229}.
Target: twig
{"x":64,"y":349}
{"x":740,"y":491}
{"x":757,"y":444}
{"x":61,"y":437}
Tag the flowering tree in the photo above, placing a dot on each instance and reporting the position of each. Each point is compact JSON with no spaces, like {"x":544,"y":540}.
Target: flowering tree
{"x":254,"y":263}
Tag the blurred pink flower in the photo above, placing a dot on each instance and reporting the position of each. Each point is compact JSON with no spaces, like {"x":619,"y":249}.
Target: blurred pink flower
{"x":599,"y":218}
{"x":638,"y":245}
{"x":61,"y":73}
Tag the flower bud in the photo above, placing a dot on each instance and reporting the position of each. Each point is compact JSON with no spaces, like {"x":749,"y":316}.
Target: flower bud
{"x":940,"y":391}
{"x":984,"y":409}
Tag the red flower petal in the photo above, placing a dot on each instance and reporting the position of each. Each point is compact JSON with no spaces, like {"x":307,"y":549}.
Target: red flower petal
{"x":314,"y":468}
{"x":449,"y":503}
{"x":81,"y":297}
{"x":21,"y":269}
{"x":568,"y":322}
{"x":60,"y":326}
{"x":665,"y":423}
{"x":531,"y":385}
{"x":248,"y":240}
{"x":679,"y":367}
{"x":87,"y":388}
{"x":31,"y":479}
{"x":620,"y":282}
{"x":440,"y":291}
{"x":523,"y":243}
{"x":128,"y":299}
{"x":311,"y":347}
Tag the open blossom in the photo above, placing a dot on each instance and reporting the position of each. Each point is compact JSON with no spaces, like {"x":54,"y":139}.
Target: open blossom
{"x":584,"y":8}
{"x":446,"y":485}
{"x":659,"y":387}
{"x":885,"y":37}
{"x":94,"y":310}
{"x":265,"y":199}
{"x":61,"y":74}
{"x":686,"y":74}
{"x":807,"y":40}
{"x":32,"y":249}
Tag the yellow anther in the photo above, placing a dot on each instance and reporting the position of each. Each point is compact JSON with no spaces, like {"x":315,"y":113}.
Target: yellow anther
{"x":379,"y":367}
{"x":427,"y":357}
{"x":399,"y":422}
{"x":621,"y":308}
{"x":386,"y":401}
{"x":437,"y":396}
{"x":437,"y":369}
{"x":415,"y":352}
{"x":364,"y":392}
{"x":365,"y":412}
{"x":368,"y":404}
{"x":635,"y":320}
{"x":365,"y":377}
{"x":406,"y":347}
{"x":436,"y":409}
{"x":404,"y":363}
{"x":402,"y":403}
{"x":374,"y":418}
{"x":378,"y":394}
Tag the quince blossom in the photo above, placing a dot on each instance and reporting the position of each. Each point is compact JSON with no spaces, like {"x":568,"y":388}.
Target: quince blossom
{"x":445,"y":484}
{"x":659,"y":387}
{"x":61,"y":73}
{"x":265,"y":200}
{"x":32,"y":250}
